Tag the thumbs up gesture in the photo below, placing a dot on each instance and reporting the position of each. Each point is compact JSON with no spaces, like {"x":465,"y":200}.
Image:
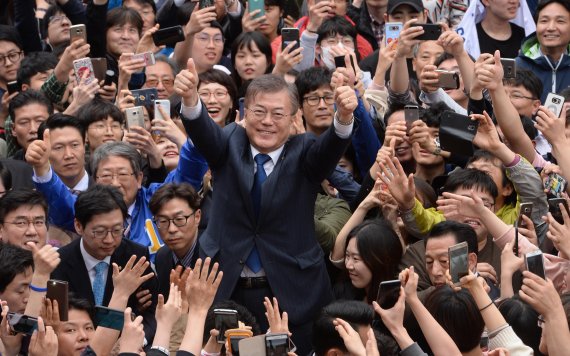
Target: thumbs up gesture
{"x":186,"y":84}
{"x":38,"y":153}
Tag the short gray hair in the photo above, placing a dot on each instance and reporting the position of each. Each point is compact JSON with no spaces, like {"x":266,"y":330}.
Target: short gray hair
{"x":171,"y":64}
{"x":118,"y":149}
{"x":271,"y":83}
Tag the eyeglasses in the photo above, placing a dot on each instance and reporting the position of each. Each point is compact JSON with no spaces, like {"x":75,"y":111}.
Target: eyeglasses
{"x":520,"y":96}
{"x":163,"y":223}
{"x":260,"y":114}
{"x":58,"y":19}
{"x":153,"y":83}
{"x":109,"y":177}
{"x":205,"y":39}
{"x":116,"y":232}
{"x":218,"y":94}
{"x":315,"y":100}
{"x":102,"y":127}
{"x":25,"y":223}
{"x":12,"y":57}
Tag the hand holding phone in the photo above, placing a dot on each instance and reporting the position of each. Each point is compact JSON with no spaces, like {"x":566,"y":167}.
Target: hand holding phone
{"x":388,"y":293}
{"x":534,"y":262}
{"x":225,"y":319}
{"x":458,"y":262}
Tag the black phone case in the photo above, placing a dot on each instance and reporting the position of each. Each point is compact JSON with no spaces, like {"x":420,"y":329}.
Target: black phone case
{"x":456,"y":133}
{"x":431,"y":32}
{"x":289,"y":35}
{"x":168,"y":36}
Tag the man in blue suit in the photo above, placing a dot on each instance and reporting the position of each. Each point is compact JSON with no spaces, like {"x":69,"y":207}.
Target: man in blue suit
{"x":261,"y":228}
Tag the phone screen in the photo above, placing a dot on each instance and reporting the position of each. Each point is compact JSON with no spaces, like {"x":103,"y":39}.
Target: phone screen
{"x":458,"y":262}
{"x":535,"y":264}
{"x":554,"y":208}
{"x":276,"y":345}
{"x":225,"y":319}
{"x":22,"y":324}
{"x":388,"y":293}
{"x":109,"y":318}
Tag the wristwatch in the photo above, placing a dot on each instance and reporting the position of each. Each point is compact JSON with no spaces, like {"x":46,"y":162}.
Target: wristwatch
{"x":437,"y":150}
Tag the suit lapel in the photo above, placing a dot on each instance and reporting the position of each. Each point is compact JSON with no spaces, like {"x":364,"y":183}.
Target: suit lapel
{"x":246,"y":175}
{"x":78,"y":276}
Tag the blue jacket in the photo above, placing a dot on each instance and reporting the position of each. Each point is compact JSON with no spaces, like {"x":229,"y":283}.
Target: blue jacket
{"x":555,"y":76}
{"x":191,"y":168}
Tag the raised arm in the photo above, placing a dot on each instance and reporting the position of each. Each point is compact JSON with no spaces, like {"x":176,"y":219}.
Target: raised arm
{"x":199,"y":20}
{"x":399,"y":77}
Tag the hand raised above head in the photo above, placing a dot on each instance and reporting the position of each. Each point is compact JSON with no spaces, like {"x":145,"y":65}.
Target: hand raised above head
{"x":186,"y":84}
{"x":126,"y":280}
{"x":38,"y":153}
{"x":202,"y":285}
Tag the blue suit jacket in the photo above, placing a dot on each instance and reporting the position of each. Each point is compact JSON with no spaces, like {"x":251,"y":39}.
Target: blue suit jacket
{"x":284,"y":233}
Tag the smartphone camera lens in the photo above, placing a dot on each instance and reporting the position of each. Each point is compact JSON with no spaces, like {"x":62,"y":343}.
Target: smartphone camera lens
{"x":556,"y":100}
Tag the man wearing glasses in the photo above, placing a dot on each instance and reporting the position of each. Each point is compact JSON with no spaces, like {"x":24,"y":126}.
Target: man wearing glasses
{"x":176,"y":211}
{"x":87,"y":263}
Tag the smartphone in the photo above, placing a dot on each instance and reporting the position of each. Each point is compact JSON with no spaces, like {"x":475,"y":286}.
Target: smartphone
{"x":145,"y":97}
{"x":59,"y":290}
{"x":148,"y":58}
{"x":165,"y":105}
{"x":277,"y":344}
{"x":205,"y":3}
{"x":135,"y":116}
{"x":257,"y":5}
{"x":99,"y":68}
{"x":447,"y":79}
{"x":339,"y":62}
{"x":241,"y":103}
{"x":289,"y":35}
{"x":392,"y":32}
{"x":76,"y":32}
{"x":13,"y":87}
{"x":509,"y":68}
{"x":234,"y":337}
{"x":109,"y":76}
{"x":411,"y":114}
{"x":110,"y":318}
{"x":22,"y":324}
{"x":534,"y":262}
{"x":82,"y":66}
{"x":431,"y":32}
{"x":456,"y":133}
{"x":225,"y":319}
{"x":169,"y":35}
{"x":554,"y":208}
{"x":525,"y":209}
{"x":554,"y":103}
{"x":388,"y":293}
{"x":458,"y":261}
{"x":555,"y":185}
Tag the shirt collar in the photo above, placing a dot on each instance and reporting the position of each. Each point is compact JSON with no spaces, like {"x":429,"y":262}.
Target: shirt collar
{"x":83,"y":184}
{"x":273,"y":154}
{"x":187,"y":259}
{"x":90,"y":261}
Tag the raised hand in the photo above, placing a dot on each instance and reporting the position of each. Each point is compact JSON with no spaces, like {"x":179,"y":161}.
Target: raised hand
{"x":540,"y":294}
{"x":202,"y":285}
{"x":351,"y":338}
{"x":168,"y":129}
{"x":142,"y":140}
{"x":199,"y":20}
{"x":50,"y":313}
{"x":249,"y":21}
{"x":132,"y":336}
{"x":409,"y":279}
{"x":44,"y":341}
{"x":287,"y":58}
{"x":452,"y":205}
{"x":407,"y":39}
{"x":11,"y":342}
{"x":46,"y":259}
{"x":37,"y":154}
{"x":127,"y":66}
{"x":393,"y":318}
{"x":278,"y":323}
{"x":169,"y":312}
{"x":129,"y":278}
{"x":402,"y":188}
{"x":487,"y":137}
{"x":76,"y":50}
{"x":318,"y":12}
{"x":179,"y":278}
{"x":146,"y":43}
{"x":558,"y":233}
{"x":420,"y":134}
{"x":346,"y":103}
{"x":451,"y":41}
{"x":489,"y":71}
{"x":429,"y":79}
{"x":126,"y":100}
{"x":186,"y":84}
{"x":551,"y":127}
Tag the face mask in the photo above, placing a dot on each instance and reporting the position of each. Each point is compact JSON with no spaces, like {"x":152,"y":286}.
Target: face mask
{"x":328,"y":58}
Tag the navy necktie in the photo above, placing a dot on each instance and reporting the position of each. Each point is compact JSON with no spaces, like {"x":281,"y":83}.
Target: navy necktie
{"x":253,"y":260}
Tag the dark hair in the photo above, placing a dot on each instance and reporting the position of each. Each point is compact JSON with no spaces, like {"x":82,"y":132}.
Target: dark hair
{"x":461,"y":232}
{"x":59,"y":121}
{"x":442,"y":58}
{"x":528,"y":80}
{"x":17,"y":198}
{"x":425,"y":193}
{"x":279,"y":3}
{"x":146,"y":2}
{"x":76,"y":303}
{"x":5,"y":177}
{"x":432,"y":115}
{"x":544,"y":3}
{"x":219,"y":77}
{"x":393,"y":108}
{"x":10,"y":34}
{"x":97,"y":110}
{"x":171,"y":191}
{"x":338,"y":25}
{"x":246,"y":40}
{"x":271,"y":83}
{"x":120,"y":16}
{"x":482,"y":155}
{"x":454,"y":311}
{"x":244,"y":315}
{"x":13,"y":261}
{"x":528,"y":127}
{"x":380,"y":249}
{"x":51,"y":11}
{"x":312,"y":79}
{"x":325,"y":336}
{"x":34,"y":63}
{"x":471,"y":178}
{"x":26,"y":98}
{"x":96,"y":200}
{"x":523,"y":319}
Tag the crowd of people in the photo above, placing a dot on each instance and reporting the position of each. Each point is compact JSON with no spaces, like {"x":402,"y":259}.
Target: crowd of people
{"x":284,"y":178}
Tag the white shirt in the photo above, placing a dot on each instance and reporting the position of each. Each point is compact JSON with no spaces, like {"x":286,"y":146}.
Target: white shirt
{"x":91,"y":262}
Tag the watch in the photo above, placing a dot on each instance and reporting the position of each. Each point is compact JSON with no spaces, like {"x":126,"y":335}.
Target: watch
{"x":437,"y":150}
